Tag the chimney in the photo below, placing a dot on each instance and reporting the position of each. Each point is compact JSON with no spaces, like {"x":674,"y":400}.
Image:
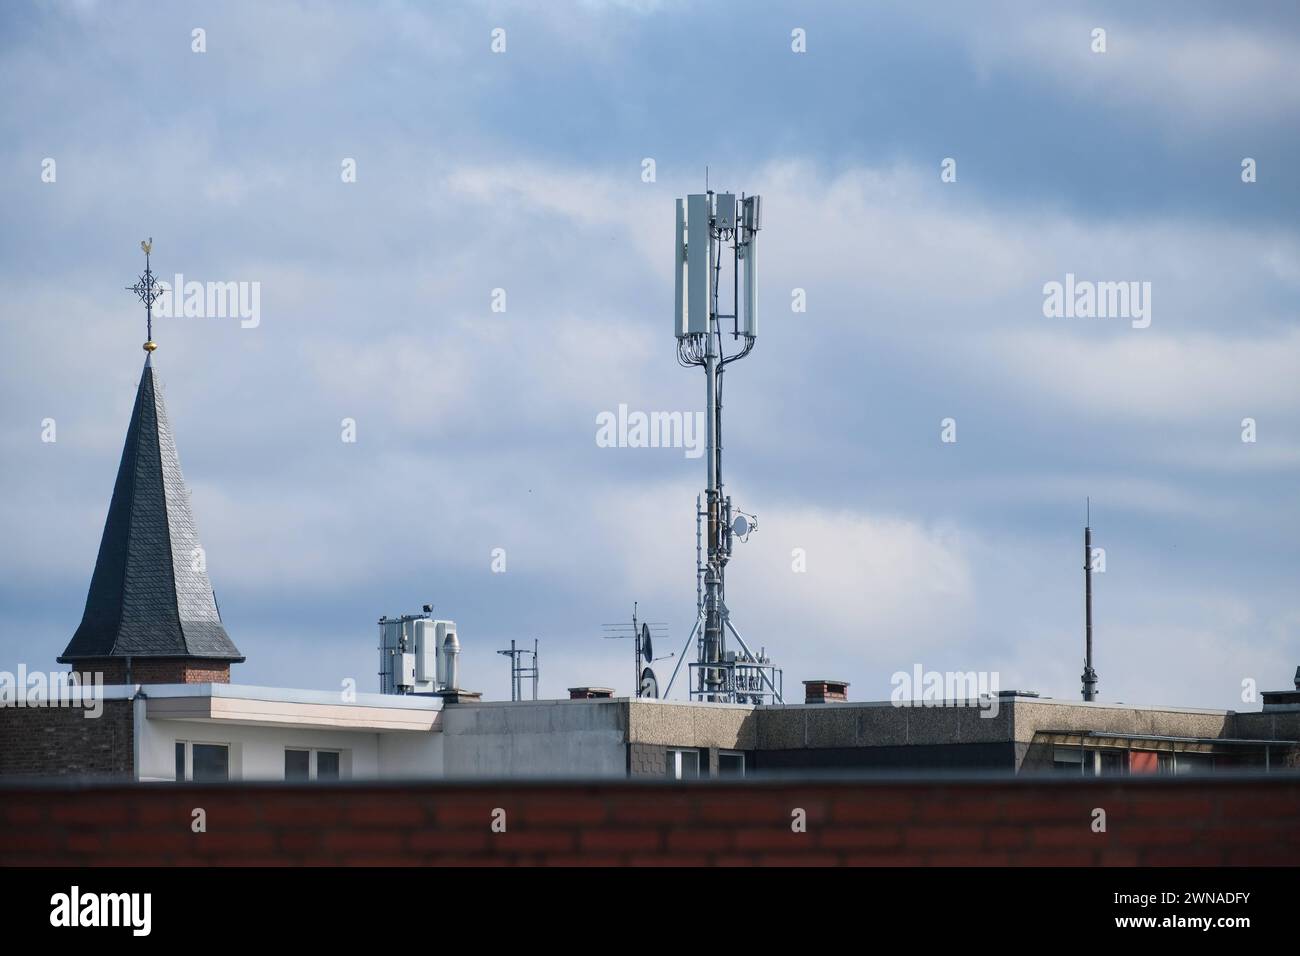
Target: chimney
{"x":1283,"y":700}
{"x":590,"y":693}
{"x":825,"y":691}
{"x":459,"y":695}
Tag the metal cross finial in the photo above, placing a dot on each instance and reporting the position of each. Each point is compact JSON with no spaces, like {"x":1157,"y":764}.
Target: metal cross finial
{"x":148,"y":289}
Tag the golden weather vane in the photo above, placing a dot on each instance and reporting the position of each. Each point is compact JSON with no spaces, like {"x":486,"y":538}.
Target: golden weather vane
{"x":148,"y":289}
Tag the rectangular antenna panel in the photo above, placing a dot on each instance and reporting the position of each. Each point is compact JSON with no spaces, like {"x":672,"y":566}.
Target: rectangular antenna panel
{"x":426,"y":650}
{"x":699,"y":264}
{"x":749,"y":325}
{"x":679,"y":272}
{"x":439,"y":665}
{"x":726,"y":210}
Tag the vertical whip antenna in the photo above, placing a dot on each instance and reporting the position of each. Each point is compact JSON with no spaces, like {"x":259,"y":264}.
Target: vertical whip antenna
{"x":1089,"y":675}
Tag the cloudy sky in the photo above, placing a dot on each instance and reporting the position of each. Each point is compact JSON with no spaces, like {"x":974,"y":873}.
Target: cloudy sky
{"x":523,"y":170}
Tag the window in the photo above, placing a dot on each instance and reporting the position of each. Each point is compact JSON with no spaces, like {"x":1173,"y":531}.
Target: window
{"x":1089,"y":763}
{"x":327,"y":765}
{"x":1067,"y":760}
{"x":297,"y":765}
{"x":202,"y":763}
{"x":731,"y":764}
{"x":306,"y":764}
{"x":1185,"y":762}
{"x":683,"y":764}
{"x":211,"y":762}
{"x":1110,"y":763}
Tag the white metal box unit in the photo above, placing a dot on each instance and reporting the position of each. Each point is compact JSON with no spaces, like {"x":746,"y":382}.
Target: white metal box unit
{"x":404,"y":670}
{"x":426,"y":650}
{"x":412,"y":654}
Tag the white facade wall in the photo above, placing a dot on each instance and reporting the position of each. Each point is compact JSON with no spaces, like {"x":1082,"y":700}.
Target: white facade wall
{"x":264,"y":723}
{"x":257,"y":753}
{"x":410,"y":756}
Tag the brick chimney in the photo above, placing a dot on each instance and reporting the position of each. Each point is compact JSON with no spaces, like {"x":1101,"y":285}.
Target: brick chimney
{"x":590,"y":693}
{"x":825,"y":691}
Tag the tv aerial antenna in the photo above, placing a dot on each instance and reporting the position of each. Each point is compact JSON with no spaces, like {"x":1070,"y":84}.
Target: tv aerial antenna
{"x":520,"y":668}
{"x":642,"y":634}
{"x":717,"y":230}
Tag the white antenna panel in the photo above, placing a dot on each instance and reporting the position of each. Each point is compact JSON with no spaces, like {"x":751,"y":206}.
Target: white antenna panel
{"x":725,"y":211}
{"x":750,"y":220}
{"x":679,"y":272}
{"x":699,"y":264}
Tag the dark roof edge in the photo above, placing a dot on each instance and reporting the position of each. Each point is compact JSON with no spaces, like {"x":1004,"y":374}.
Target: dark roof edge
{"x":65,"y":659}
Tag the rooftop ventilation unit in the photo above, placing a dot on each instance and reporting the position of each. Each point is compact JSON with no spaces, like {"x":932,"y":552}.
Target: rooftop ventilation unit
{"x":417,"y":655}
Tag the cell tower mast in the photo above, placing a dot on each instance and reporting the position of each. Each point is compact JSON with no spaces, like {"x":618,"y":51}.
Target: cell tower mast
{"x":713,"y":228}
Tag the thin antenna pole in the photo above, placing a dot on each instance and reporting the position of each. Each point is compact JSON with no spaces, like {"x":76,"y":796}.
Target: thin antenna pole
{"x":1087,"y":599}
{"x":1089,"y":675}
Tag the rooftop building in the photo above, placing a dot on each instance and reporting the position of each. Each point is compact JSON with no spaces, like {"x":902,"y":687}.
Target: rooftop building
{"x":233,"y":732}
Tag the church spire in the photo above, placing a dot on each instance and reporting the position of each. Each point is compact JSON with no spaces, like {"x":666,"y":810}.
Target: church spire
{"x":150,"y":602}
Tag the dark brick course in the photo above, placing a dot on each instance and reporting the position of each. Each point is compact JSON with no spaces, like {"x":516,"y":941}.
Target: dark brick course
{"x":1244,"y":821}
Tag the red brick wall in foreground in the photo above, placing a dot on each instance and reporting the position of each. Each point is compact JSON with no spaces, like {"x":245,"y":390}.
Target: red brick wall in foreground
{"x":1149,"y":822}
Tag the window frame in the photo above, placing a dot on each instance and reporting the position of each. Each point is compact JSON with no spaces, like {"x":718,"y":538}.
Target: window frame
{"x":736,"y":754}
{"x":313,"y":762}
{"x":296,"y":750}
{"x":674,"y":762}
{"x":189,"y":745}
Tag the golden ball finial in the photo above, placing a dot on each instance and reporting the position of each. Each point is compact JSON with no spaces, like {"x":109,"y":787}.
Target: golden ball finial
{"x":150,"y":346}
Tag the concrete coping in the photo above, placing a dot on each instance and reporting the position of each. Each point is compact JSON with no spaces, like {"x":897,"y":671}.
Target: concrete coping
{"x":412,"y":702}
{"x":283,"y":695}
